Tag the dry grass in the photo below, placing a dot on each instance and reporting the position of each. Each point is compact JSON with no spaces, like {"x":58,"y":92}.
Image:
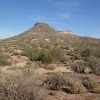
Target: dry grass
{"x":16,"y":87}
{"x":4,"y":60}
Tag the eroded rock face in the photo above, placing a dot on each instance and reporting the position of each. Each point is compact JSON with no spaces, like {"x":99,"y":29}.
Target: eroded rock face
{"x":41,"y":24}
{"x":43,"y":27}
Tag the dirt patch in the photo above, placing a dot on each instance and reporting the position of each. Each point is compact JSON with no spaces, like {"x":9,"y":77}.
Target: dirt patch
{"x":58,"y":69}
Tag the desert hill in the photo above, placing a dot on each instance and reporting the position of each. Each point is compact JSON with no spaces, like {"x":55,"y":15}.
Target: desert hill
{"x":43,"y":33}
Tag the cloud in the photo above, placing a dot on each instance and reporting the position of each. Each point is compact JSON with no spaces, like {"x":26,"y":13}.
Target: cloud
{"x":66,"y":7}
{"x":65,"y":2}
{"x":56,"y":20}
{"x":65,"y":15}
{"x":39,"y":18}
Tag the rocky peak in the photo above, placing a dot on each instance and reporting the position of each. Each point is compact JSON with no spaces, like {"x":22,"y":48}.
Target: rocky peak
{"x":42,"y":27}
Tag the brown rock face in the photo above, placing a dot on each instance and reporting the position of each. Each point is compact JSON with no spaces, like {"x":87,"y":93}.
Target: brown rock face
{"x":43,"y":27}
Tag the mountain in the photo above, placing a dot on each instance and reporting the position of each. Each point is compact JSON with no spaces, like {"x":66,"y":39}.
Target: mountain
{"x":41,"y":30}
{"x":42,"y":33}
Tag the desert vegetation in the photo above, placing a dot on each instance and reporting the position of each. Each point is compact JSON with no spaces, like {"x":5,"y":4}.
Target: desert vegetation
{"x":48,"y":65}
{"x":47,"y":56}
{"x":4,"y":60}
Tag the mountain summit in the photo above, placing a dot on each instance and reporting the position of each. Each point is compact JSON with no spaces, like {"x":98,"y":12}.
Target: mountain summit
{"x":42,"y":27}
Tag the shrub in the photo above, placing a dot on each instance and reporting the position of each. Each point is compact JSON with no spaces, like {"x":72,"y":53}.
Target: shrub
{"x":12,"y":89}
{"x":32,"y":53}
{"x":76,"y":55}
{"x":57,"y":53}
{"x":39,"y":55}
{"x":79,"y":66}
{"x":94,"y":64}
{"x":52,"y":55}
{"x":17,"y":88}
{"x":90,"y":51}
{"x":29,"y":70}
{"x":47,"y":56}
{"x":4,"y":60}
{"x":86,"y":52}
{"x":54,"y":81}
{"x":76,"y":88}
{"x":91,"y":84}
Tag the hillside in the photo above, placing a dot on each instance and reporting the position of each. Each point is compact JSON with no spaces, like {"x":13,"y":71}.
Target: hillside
{"x":46,"y":64}
{"x":43,"y":33}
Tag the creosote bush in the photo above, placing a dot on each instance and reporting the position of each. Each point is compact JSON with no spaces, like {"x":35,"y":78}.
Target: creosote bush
{"x":32,"y":53}
{"x":47,"y":56}
{"x":57,"y":53}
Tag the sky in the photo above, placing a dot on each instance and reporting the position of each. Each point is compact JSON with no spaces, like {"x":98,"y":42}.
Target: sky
{"x":80,"y":16}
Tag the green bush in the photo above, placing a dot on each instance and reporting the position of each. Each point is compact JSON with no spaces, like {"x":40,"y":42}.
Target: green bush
{"x":51,"y":55}
{"x":57,"y":53}
{"x":32,"y":53}
{"x":47,"y":56}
